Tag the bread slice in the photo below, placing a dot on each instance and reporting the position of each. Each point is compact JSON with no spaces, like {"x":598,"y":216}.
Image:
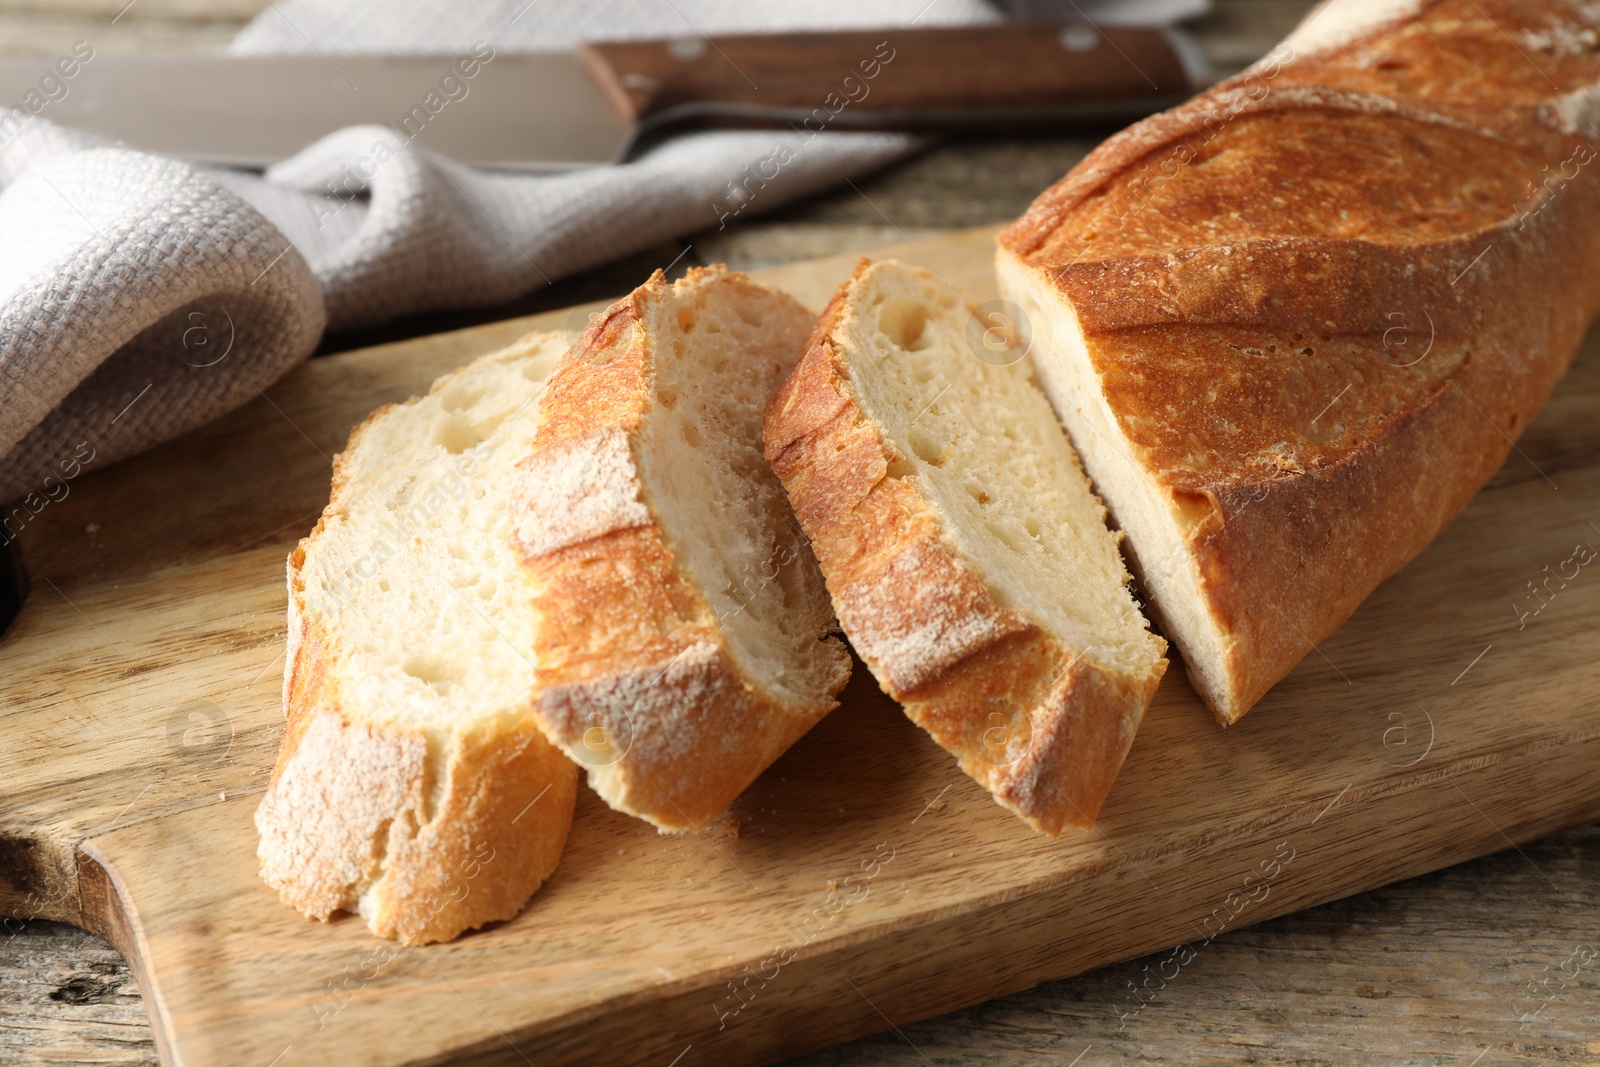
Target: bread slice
{"x":968,"y":559}
{"x":1295,"y":324}
{"x":1168,"y":527}
{"x":413,"y":784}
{"x":683,"y":642}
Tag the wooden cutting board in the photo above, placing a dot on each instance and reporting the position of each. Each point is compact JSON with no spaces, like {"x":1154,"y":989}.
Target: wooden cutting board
{"x":861,"y":883}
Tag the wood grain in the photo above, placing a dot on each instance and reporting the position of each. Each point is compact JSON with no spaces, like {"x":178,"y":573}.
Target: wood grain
{"x":1432,"y":971}
{"x":1420,"y":972}
{"x":1423,"y":972}
{"x":142,"y":716}
{"x":67,"y":997}
{"x":836,"y":79}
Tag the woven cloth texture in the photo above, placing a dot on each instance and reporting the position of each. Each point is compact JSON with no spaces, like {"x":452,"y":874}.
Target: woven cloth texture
{"x":141,"y":297}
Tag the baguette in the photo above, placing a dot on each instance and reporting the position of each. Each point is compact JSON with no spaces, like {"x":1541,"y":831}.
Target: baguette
{"x":967,"y":557}
{"x":1295,"y":324}
{"x":683,"y":642}
{"x":413,"y":784}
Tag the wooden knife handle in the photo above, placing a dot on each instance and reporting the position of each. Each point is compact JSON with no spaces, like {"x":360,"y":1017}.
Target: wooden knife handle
{"x":1007,"y":66}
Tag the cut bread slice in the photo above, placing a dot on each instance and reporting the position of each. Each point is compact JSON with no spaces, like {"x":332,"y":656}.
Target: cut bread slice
{"x":1270,"y":323}
{"x":413,"y":784}
{"x":1164,"y":527}
{"x":967,"y":556}
{"x":683,"y":642}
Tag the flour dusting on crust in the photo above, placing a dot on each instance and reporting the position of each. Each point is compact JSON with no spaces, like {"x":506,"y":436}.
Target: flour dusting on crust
{"x":578,"y":490}
{"x":921,"y":613}
{"x":1335,"y":23}
{"x":1576,"y":112}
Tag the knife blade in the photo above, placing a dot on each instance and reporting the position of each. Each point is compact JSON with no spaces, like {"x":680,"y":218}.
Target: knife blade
{"x":605,"y":103}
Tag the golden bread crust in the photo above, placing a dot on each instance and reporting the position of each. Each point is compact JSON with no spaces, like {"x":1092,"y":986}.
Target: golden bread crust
{"x":1258,"y":273}
{"x":638,"y":681}
{"x":349,"y":802}
{"x":426,"y":844}
{"x":1044,"y":728}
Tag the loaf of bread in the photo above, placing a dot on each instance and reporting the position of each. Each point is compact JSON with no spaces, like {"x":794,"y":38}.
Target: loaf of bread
{"x":684,"y":635}
{"x":967,"y":557}
{"x":413,"y":784}
{"x":1296,"y":323}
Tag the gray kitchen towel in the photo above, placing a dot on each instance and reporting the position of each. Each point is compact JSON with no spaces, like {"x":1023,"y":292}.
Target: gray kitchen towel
{"x":138,"y":299}
{"x":141,"y":297}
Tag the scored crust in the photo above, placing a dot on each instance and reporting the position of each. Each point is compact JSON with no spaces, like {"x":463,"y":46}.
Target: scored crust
{"x":1318,"y":303}
{"x":1043,"y":727}
{"x":425,"y":840}
{"x":640,"y":684}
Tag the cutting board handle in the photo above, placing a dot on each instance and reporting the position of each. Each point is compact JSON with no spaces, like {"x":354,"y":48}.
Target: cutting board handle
{"x":942,"y":77}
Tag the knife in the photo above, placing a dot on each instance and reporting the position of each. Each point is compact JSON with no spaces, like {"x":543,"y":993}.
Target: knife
{"x":608,"y":101}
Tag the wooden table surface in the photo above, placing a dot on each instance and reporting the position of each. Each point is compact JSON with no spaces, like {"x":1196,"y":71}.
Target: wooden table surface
{"x":1486,"y":963}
